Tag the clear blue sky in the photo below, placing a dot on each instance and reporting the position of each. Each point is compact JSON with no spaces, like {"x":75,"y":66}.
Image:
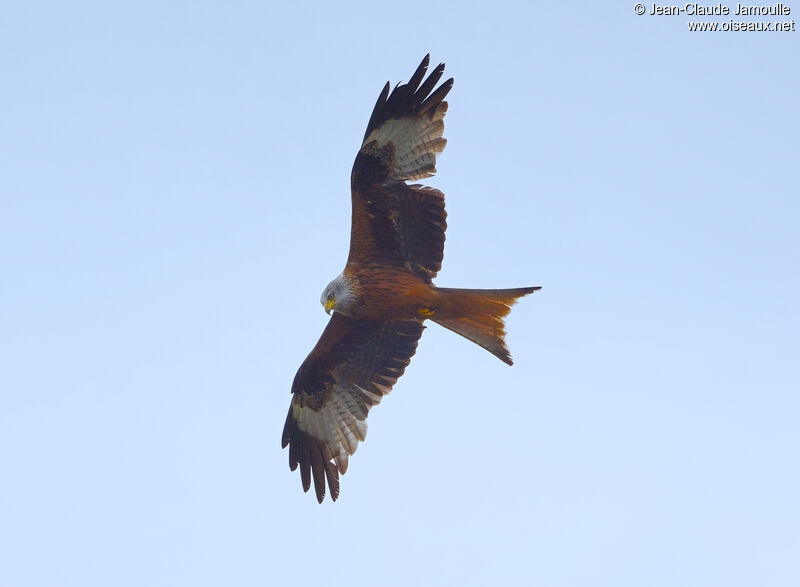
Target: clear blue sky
{"x":175,"y":195}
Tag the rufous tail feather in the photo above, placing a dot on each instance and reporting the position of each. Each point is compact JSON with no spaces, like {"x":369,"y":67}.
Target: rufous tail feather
{"x":477,"y":314}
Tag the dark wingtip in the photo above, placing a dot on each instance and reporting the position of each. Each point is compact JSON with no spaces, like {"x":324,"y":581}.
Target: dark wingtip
{"x":504,"y":356}
{"x":331,"y":474}
{"x":440,"y":94}
{"x":529,"y":290}
{"x":410,"y":97}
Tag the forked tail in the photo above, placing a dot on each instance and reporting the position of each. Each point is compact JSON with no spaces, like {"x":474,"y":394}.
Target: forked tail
{"x":477,"y":314}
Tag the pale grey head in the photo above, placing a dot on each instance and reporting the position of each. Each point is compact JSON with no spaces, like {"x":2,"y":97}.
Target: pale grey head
{"x":338,"y":296}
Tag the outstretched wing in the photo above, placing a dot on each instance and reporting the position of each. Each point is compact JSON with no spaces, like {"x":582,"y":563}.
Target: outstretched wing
{"x":395,"y":223}
{"x":354,"y":364}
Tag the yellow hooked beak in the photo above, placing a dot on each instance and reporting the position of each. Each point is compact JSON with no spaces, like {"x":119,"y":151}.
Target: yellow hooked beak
{"x":329,"y":306}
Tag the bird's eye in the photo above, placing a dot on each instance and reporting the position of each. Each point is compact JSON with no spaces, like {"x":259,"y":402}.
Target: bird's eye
{"x":330,"y":297}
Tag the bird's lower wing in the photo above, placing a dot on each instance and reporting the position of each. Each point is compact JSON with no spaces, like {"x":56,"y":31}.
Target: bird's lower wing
{"x":354,"y":364}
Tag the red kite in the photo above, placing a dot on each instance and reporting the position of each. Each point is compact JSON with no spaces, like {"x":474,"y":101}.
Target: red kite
{"x":385,"y":292}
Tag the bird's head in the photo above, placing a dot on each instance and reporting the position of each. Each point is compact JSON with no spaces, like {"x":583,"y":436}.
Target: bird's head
{"x":338,"y":296}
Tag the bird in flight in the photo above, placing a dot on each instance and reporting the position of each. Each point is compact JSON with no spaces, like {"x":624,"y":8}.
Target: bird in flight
{"x":385,"y":293}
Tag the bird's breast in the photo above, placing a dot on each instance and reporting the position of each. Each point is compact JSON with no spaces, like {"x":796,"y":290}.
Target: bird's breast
{"x":388,"y":294}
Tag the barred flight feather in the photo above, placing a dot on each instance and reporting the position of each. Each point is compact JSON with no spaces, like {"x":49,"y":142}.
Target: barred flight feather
{"x":354,"y":364}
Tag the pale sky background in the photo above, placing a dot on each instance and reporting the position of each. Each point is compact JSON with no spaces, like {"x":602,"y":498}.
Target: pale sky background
{"x":175,"y":196}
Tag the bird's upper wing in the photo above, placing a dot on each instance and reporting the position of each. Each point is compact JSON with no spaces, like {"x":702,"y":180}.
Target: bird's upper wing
{"x":354,"y":364}
{"x":395,"y":223}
